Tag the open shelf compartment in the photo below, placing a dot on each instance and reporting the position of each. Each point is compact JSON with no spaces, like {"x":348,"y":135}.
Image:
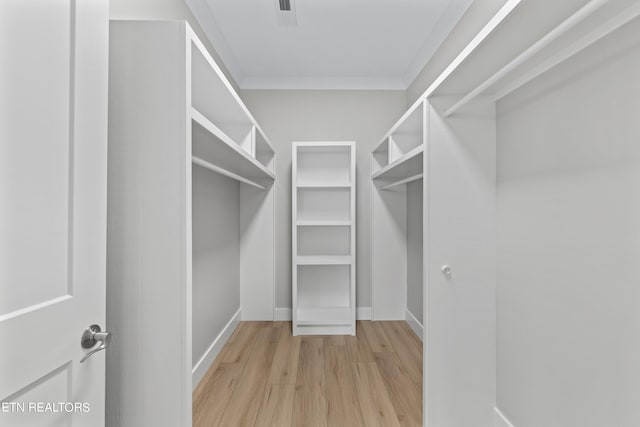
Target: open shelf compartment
{"x":408,"y":166}
{"x":215,"y":99}
{"x":324,"y":295}
{"x":398,"y":158}
{"x":212,"y":148}
{"x":324,"y":166}
{"x":227,"y":139}
{"x":324,"y":240}
{"x":323,"y":204}
{"x":308,"y":316}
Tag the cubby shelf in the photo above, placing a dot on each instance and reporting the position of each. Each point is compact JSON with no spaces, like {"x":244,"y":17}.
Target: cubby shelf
{"x":213,"y":146}
{"x":405,"y":167}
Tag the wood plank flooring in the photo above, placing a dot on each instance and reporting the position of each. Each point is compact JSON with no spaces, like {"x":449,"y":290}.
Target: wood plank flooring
{"x":265,"y":377}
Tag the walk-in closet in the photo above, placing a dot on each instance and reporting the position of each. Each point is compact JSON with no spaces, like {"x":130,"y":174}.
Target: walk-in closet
{"x":416,"y":213}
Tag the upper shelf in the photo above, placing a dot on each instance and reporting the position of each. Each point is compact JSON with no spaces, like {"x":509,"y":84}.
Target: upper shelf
{"x":524,"y":40}
{"x":407,"y":166}
{"x":226,"y":137}
{"x":213,"y":146}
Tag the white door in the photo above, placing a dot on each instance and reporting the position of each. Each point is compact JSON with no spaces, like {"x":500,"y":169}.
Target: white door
{"x":53,"y":154}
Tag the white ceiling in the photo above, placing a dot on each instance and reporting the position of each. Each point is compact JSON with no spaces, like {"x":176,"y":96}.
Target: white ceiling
{"x":336,"y":44}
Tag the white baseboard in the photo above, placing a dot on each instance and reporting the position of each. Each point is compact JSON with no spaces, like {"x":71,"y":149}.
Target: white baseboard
{"x":214,"y":349}
{"x":414,"y":324}
{"x":284,"y":314}
{"x":363,"y":313}
{"x":499,"y":420}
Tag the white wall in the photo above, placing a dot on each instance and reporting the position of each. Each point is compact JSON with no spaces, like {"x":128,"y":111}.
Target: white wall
{"x":568,"y":345}
{"x":216,"y":256}
{"x":362,"y":116}
{"x":164,"y":10}
{"x":414,"y":249}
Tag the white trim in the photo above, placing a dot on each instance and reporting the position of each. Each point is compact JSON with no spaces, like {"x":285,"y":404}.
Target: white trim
{"x":212,"y":352}
{"x":363,"y":313}
{"x":321,"y":83}
{"x":414,"y":324}
{"x":499,"y":420}
{"x":284,"y":314}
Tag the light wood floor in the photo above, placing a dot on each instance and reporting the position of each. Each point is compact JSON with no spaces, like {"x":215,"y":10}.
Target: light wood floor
{"x":266,"y":377}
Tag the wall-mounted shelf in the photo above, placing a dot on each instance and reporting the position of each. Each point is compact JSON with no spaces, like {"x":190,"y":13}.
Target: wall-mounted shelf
{"x":406,"y":166}
{"x":398,"y":158}
{"x":522,"y":41}
{"x":323,"y":238}
{"x":216,"y":148}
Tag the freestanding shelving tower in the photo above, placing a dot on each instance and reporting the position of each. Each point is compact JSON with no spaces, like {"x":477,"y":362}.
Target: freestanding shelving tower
{"x":324,"y":238}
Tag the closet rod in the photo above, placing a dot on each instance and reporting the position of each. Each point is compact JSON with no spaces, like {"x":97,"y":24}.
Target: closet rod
{"x":402,"y":181}
{"x":584,"y":42}
{"x":551,"y":36}
{"x":198,"y":161}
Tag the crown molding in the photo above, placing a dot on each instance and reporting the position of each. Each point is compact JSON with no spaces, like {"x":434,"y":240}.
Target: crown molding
{"x":322,"y":83}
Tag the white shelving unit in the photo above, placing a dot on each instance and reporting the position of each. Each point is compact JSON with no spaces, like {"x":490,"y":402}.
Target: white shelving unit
{"x":175,"y":124}
{"x":323,"y":209}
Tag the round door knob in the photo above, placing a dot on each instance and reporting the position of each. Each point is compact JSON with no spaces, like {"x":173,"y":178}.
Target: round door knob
{"x":446,"y":270}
